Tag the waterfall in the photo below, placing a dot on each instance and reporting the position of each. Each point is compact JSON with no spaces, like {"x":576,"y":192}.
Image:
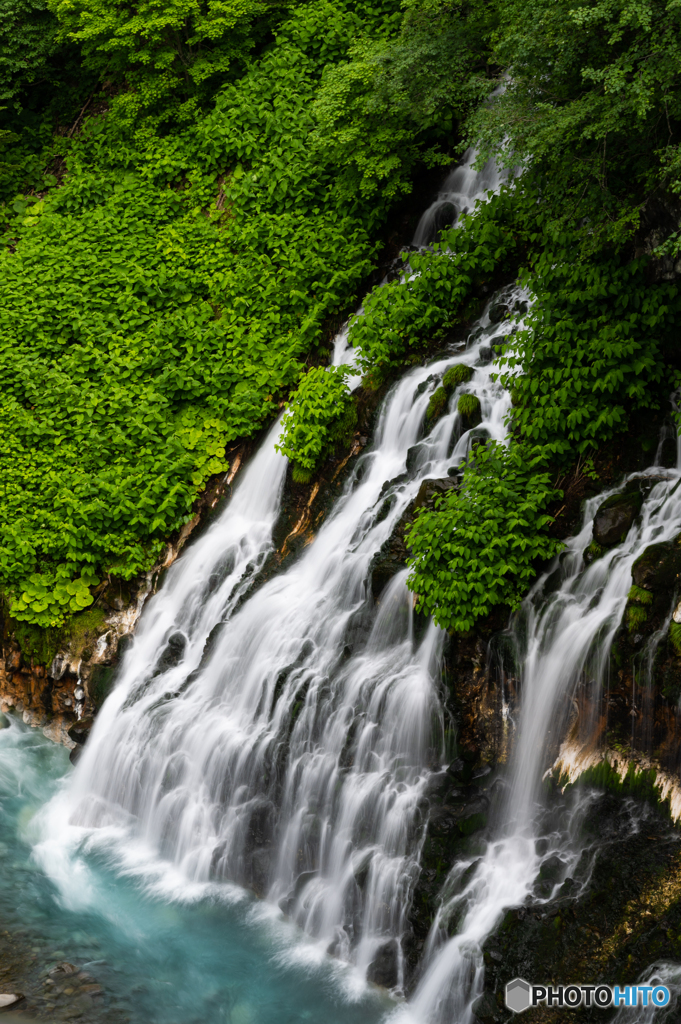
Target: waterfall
{"x":461,"y":190}
{"x":285,"y":739}
{"x":564,"y":633}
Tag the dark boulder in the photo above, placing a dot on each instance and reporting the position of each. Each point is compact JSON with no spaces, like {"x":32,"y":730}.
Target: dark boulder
{"x":615,"y":516}
{"x":383,"y":969}
{"x":80,"y":731}
{"x":430,"y":489}
{"x":172,"y":653}
{"x":659,"y":566}
{"x":497,"y":312}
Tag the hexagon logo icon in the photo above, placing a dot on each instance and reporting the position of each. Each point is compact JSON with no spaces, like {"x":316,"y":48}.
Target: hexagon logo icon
{"x":518,"y":995}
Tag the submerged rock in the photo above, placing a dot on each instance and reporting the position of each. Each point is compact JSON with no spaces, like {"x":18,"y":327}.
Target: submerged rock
{"x":8,"y":1000}
{"x":615,"y":516}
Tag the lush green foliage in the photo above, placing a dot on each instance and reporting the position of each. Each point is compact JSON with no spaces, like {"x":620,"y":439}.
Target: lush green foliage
{"x":158,"y":304}
{"x":320,"y":413}
{"x":592,"y":102}
{"x":403,"y":318}
{"x":592,"y":352}
{"x":193,"y":192}
{"x":477,"y":548}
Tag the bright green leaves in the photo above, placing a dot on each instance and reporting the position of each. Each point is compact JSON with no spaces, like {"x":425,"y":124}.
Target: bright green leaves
{"x":165,"y":47}
{"x":480,"y":545}
{"x":592,"y":352}
{"x":49,"y":599}
{"x":320,"y":411}
{"x":163,"y":299}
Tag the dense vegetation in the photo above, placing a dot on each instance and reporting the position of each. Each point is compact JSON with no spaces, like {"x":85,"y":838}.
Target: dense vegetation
{"x":193,"y":192}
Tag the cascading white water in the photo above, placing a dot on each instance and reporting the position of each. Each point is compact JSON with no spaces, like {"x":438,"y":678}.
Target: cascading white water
{"x":569,"y":634}
{"x":287,"y":744}
{"x":462,"y":189}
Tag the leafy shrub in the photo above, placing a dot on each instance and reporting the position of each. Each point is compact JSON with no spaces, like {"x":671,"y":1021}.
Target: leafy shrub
{"x":456,"y":375}
{"x":592,"y":351}
{"x":480,"y":546}
{"x":403,"y":317}
{"x":49,"y":600}
{"x":320,"y":413}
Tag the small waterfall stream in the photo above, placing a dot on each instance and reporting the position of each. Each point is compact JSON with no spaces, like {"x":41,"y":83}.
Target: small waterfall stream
{"x":565,"y":629}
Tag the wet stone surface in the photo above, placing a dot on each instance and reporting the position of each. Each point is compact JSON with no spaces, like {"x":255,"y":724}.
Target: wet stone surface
{"x":54,"y":989}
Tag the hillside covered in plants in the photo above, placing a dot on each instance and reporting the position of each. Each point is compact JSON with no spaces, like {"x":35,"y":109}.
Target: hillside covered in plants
{"x":194,"y":196}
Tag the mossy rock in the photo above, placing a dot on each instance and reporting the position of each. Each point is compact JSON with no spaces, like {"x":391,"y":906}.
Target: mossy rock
{"x":593,"y":552}
{"x":637,"y":616}
{"x":469,"y":410}
{"x":675,"y":637}
{"x":658,"y":567}
{"x":437,"y":406}
{"x":473,"y":824}
{"x":614,"y":517}
{"x":455,"y":375}
{"x":101,"y":684}
{"x":638,"y":595}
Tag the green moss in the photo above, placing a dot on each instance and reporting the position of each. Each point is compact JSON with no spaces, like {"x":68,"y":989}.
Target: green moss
{"x":455,"y":375}
{"x":473,"y":824}
{"x":40,"y":645}
{"x":636,"y":617}
{"x":675,"y":636}
{"x":83,"y":631}
{"x":301,"y":475}
{"x":469,"y":407}
{"x":437,"y":405}
{"x":79,"y":633}
{"x":640,"y":784}
{"x":640,"y":596}
{"x":593,"y":552}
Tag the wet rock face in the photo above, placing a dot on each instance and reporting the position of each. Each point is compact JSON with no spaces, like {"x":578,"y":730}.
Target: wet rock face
{"x":659,"y":567}
{"x":384,"y":968}
{"x":619,"y":914}
{"x":615,"y":517}
{"x":431,"y":489}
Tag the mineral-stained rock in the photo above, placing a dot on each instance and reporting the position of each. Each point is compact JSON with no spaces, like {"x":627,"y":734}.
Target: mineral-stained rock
{"x":615,"y":516}
{"x":659,"y":566}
